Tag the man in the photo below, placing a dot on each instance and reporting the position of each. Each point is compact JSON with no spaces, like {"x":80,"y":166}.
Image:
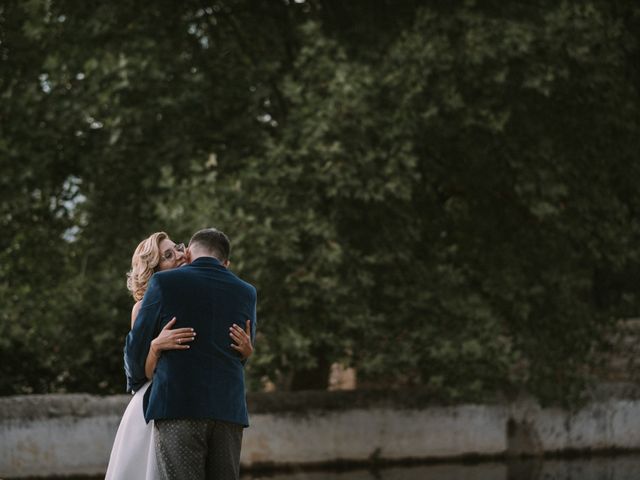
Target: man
{"x":197,"y":398}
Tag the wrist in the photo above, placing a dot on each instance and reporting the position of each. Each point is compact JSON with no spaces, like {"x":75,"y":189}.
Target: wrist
{"x":154,"y":348}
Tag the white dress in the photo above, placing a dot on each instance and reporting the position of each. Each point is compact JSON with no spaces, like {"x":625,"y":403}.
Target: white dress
{"x":133,"y":455}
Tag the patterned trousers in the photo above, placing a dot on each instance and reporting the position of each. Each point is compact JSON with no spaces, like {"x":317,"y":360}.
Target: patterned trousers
{"x":198,"y":449}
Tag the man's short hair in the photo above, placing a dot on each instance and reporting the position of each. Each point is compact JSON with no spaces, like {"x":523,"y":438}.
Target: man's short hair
{"x":213,"y":242}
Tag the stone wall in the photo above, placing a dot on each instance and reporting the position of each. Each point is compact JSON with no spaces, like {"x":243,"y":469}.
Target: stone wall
{"x":72,"y":434}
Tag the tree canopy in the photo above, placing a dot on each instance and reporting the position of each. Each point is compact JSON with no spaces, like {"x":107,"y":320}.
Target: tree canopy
{"x":438,"y":194}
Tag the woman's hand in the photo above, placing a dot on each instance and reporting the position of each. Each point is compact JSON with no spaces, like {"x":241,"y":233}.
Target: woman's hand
{"x":242,"y":339}
{"x":172,"y":339}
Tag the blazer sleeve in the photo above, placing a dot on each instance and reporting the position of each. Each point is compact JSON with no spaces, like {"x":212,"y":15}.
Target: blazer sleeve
{"x":139,"y":338}
{"x":254,"y":320}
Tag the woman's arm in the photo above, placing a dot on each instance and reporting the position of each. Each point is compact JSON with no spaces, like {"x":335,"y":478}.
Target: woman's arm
{"x":151,"y":362}
{"x":175,"y":340}
{"x":167,"y":340}
{"x":153,"y":355}
{"x":138,"y":339}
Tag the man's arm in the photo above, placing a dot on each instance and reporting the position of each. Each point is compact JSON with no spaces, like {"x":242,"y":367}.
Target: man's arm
{"x":254,"y":319}
{"x":139,"y":338}
{"x":254,"y":324}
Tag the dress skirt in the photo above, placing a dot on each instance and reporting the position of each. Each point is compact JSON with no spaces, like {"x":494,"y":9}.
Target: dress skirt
{"x":133,"y":455}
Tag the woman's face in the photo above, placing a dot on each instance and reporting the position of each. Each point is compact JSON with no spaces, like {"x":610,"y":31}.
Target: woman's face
{"x":171,"y":255}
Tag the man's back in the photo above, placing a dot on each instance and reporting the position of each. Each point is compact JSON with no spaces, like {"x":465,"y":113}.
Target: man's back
{"x":207,"y":380}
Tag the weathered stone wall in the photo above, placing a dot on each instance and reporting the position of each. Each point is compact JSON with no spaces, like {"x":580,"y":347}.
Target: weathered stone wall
{"x":72,"y":434}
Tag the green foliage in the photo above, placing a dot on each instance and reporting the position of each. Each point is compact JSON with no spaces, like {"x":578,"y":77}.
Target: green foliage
{"x":438,"y":195}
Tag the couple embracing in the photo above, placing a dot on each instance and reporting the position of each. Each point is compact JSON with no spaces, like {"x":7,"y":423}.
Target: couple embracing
{"x":187,"y":422}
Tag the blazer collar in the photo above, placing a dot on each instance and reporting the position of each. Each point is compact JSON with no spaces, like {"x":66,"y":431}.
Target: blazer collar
{"x":206,"y":262}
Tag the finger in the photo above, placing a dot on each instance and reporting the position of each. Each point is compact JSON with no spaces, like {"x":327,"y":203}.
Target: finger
{"x":184,"y":335}
{"x":239,"y":331}
{"x":170,"y":324}
{"x":183,"y":330}
{"x":236,"y":347}
{"x":178,"y":347}
{"x":248,"y":327}
{"x":237,"y":338}
{"x":236,"y":332}
{"x":184,"y":340}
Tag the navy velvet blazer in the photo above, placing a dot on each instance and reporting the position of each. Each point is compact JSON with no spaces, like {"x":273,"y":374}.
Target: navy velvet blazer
{"x":207,"y":380}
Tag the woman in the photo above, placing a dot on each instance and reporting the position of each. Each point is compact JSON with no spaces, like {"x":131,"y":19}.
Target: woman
{"x":133,"y":452}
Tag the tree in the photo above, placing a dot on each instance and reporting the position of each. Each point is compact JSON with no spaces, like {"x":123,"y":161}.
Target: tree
{"x":439,"y":195}
{"x":448,"y":212}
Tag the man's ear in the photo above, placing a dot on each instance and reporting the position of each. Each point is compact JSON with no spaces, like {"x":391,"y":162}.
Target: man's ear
{"x":226,"y":264}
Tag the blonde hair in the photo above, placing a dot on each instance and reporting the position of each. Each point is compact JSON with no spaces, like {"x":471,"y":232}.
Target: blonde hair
{"x":143,"y":264}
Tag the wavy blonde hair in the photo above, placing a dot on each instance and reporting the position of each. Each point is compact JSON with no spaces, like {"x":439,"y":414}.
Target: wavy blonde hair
{"x":143,"y":264}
